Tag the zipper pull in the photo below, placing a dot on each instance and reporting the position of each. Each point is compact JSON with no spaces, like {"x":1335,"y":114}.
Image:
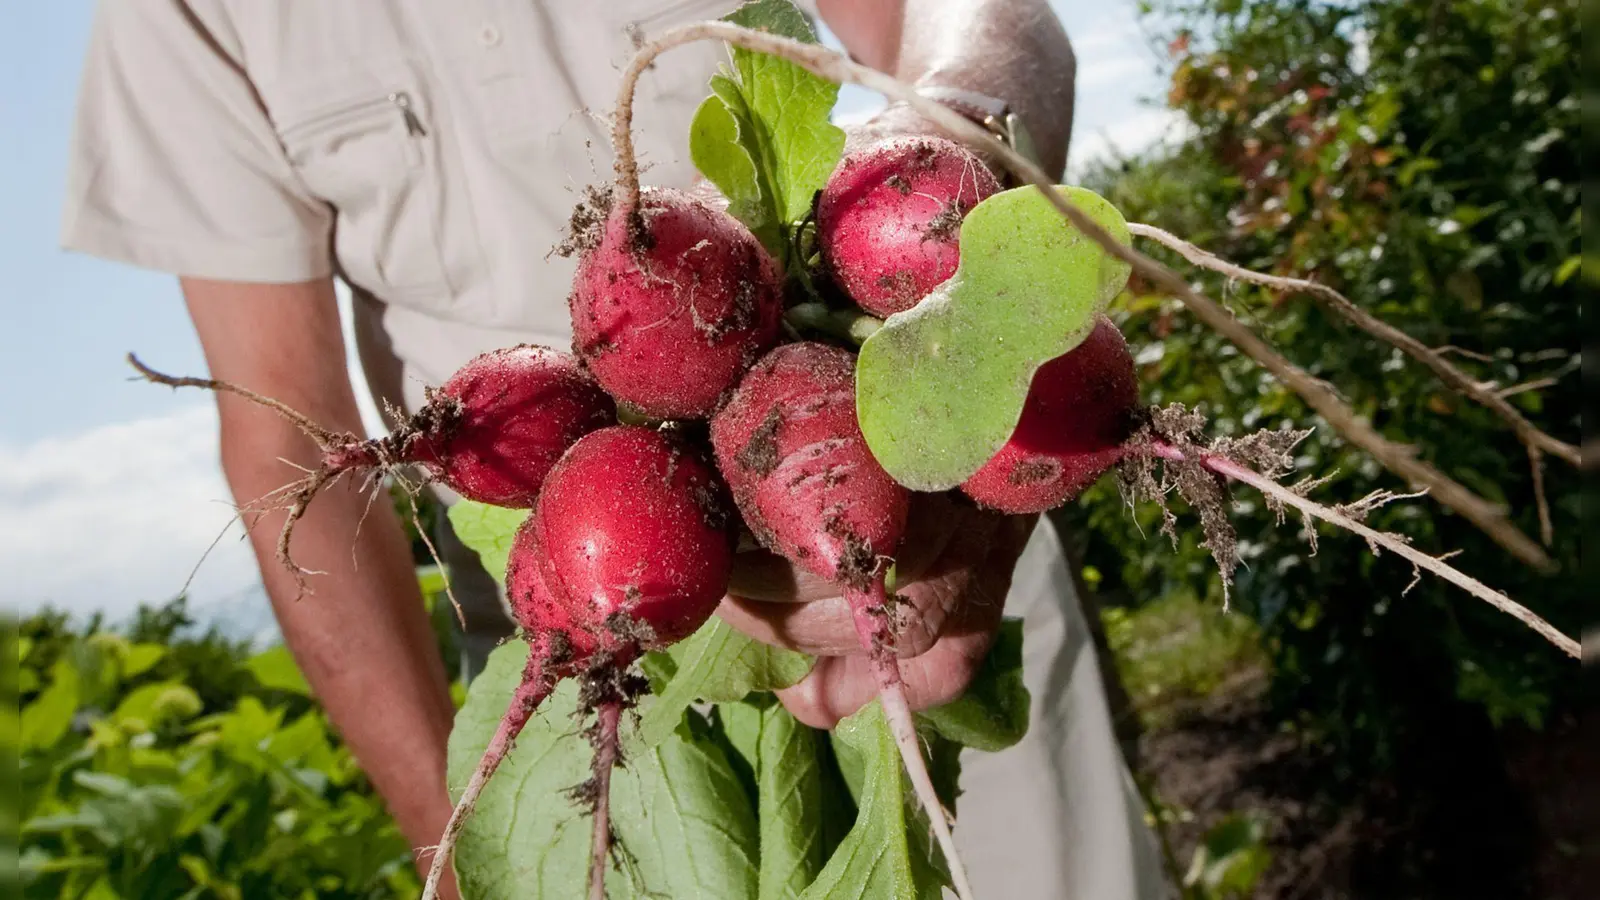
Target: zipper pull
{"x":402,"y":101}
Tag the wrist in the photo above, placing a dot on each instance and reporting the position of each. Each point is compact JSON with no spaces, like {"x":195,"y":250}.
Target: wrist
{"x":992,"y":114}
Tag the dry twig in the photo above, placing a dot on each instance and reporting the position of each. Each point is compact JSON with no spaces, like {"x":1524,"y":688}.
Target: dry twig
{"x":1488,"y":394}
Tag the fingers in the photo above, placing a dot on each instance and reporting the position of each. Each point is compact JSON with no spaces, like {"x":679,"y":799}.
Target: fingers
{"x":840,"y":685}
{"x":823,"y":626}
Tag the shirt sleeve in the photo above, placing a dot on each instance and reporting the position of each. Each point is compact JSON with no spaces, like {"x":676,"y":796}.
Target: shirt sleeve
{"x":174,"y":164}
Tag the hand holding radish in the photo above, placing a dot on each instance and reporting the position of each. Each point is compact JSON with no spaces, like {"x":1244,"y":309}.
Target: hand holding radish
{"x":952,"y":573}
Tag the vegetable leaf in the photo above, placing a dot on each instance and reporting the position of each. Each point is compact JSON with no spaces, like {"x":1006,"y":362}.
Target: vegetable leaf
{"x":785,"y":757}
{"x":716,"y":144}
{"x":940,"y":387}
{"x":487,"y":530}
{"x":679,"y":810}
{"x":715,"y":664}
{"x":882,"y":855}
{"x":993,"y":712}
{"x":764,"y":137}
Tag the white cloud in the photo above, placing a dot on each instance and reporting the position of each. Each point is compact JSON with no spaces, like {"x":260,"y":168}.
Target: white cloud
{"x":1125,"y":137}
{"x":121,"y":514}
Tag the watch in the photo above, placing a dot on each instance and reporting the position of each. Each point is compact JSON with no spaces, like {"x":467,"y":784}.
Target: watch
{"x":995,"y":115}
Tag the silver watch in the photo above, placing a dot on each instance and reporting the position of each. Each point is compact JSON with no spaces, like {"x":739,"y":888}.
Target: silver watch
{"x":993,"y":114}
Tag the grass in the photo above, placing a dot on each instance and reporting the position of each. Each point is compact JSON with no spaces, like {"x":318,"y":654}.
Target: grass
{"x":1175,"y":652}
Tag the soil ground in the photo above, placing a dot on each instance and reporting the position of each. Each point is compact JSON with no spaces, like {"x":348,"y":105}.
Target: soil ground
{"x":1221,"y":756}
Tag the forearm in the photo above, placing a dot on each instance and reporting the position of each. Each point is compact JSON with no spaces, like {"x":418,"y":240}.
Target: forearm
{"x":361,"y":635}
{"x":1011,"y":50}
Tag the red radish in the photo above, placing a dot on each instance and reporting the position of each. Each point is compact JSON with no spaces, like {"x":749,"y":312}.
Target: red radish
{"x":791,"y":449}
{"x":636,"y":524}
{"x":671,"y":303}
{"x":629,"y":549}
{"x":889,"y":218}
{"x":490,"y":434}
{"x":1076,"y":418}
{"x":502,"y":420}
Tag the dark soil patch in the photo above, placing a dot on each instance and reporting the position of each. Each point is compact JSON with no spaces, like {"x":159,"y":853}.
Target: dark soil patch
{"x":1532,"y":833}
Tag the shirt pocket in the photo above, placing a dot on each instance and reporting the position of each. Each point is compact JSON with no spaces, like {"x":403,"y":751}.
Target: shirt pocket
{"x":366,"y":142}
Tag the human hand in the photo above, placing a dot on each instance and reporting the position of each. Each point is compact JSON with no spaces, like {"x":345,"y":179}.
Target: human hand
{"x":953,"y":571}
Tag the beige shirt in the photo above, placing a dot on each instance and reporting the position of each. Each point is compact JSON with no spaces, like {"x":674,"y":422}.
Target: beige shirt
{"x":428,"y":153}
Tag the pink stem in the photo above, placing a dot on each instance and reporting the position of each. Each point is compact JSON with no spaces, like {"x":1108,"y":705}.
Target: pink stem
{"x":871,"y":613}
{"x":605,"y":760}
{"x":535,"y":687}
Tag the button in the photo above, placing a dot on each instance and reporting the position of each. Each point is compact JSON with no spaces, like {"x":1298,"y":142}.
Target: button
{"x":489,"y":36}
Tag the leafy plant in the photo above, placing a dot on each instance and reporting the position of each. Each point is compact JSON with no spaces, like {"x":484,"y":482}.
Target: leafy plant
{"x":159,"y":763}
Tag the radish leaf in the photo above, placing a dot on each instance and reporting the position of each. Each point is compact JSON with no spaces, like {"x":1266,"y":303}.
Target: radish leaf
{"x":940,"y":387}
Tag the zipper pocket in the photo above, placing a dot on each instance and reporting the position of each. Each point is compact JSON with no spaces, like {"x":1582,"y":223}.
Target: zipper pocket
{"x":396,"y":104}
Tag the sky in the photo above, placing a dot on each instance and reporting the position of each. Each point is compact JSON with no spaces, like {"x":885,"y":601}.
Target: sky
{"x":110,"y":489}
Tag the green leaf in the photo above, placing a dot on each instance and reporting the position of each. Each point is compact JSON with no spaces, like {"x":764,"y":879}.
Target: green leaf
{"x":46,"y":720}
{"x":789,"y":109}
{"x":879,"y":857}
{"x":790,"y":803}
{"x":150,"y":706}
{"x":1231,"y":858}
{"x":716,"y":147}
{"x":940,"y":387}
{"x":275,"y":669}
{"x":1568,"y":268}
{"x":140,"y":658}
{"x":993,"y":712}
{"x":716,"y":664}
{"x":785,"y":756}
{"x":682,"y":820}
{"x":487,"y":531}
{"x":764,"y":137}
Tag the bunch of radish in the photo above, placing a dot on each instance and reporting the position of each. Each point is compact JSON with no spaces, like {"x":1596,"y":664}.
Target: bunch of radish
{"x":676,"y":311}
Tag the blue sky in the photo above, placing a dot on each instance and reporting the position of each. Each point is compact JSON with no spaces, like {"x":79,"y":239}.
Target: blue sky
{"x":90,"y":459}
{"x":71,"y":318}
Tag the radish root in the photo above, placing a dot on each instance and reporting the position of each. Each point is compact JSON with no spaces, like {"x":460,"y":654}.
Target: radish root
{"x":873,"y":611}
{"x":341,"y":452}
{"x":606,"y":753}
{"x":1171,"y":438}
{"x":537,"y":683}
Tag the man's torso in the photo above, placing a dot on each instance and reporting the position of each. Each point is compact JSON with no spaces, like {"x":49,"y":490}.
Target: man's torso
{"x":452,"y":142}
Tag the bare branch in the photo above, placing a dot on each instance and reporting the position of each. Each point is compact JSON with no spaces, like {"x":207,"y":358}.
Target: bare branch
{"x":1456,"y":379}
{"x":1376,"y":539}
{"x":1470,"y":354}
{"x":1547,"y":531}
{"x":1533,"y":385}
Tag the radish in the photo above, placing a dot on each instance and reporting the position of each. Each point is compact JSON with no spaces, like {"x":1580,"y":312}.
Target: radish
{"x":672,"y":301}
{"x":790,"y":447}
{"x":491,"y":433}
{"x":1078,"y":413}
{"x":889,"y":218}
{"x":629,"y":549}
{"x":514,"y":412}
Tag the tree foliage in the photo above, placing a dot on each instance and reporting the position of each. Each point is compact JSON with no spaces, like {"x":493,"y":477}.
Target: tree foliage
{"x":1423,"y":159}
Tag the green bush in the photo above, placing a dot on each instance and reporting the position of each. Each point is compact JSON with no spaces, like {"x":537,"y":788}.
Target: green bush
{"x":155,"y":762}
